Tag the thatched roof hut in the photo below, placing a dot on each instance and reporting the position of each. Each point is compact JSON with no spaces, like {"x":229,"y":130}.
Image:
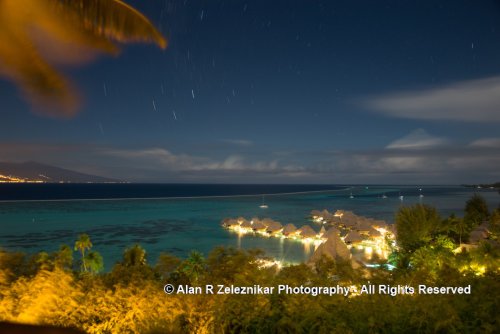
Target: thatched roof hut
{"x":339,"y":213}
{"x":348,"y":223}
{"x":353,"y":237}
{"x":379,"y":224}
{"x":373,"y":233}
{"x":240,"y":220}
{"x":315,"y":213}
{"x":229,"y":222}
{"x":267,"y":221}
{"x":326,"y":214}
{"x":485,"y":227}
{"x":332,"y":231}
{"x":306,"y":231}
{"x":363,"y":229}
{"x":274,"y":227}
{"x":258,"y":226}
{"x":333,"y":248}
{"x":477,"y":235}
{"x":289,"y":230}
{"x":246,"y":224}
{"x":335,"y":220}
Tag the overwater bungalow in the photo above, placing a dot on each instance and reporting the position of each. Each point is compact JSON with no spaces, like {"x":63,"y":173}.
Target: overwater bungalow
{"x":306,"y":232}
{"x":241,"y":220}
{"x":363,"y":228}
{"x":333,"y":248}
{"x":316,"y":216}
{"x":331,"y":231}
{"x":230,"y":222}
{"x":246,"y":224}
{"x":321,"y":216}
{"x":289,"y":230}
{"x":353,"y":238}
{"x":374,"y":233}
{"x":258,"y":226}
{"x":274,"y":228}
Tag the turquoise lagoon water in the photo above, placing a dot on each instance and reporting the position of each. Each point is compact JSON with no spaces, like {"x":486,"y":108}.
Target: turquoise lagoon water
{"x":179,"y":225}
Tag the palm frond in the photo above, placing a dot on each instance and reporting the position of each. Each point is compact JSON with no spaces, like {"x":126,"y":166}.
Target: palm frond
{"x":112,"y":19}
{"x":30,"y":31}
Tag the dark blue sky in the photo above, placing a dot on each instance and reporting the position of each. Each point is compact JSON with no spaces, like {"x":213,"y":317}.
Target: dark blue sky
{"x":284,"y":91}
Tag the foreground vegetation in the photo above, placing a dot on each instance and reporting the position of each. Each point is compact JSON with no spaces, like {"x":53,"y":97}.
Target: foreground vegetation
{"x":61,"y":290}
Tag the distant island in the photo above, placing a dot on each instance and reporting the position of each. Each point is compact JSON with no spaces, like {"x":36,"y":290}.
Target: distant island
{"x":34,"y":172}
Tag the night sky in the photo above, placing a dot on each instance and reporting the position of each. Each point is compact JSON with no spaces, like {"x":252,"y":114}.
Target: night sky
{"x":284,"y":92}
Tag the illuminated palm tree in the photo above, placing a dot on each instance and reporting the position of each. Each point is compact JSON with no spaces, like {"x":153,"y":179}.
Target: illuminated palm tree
{"x":93,"y":260}
{"x":194,"y":266}
{"x":37,"y":35}
{"x":134,"y":256}
{"x":82,"y":244}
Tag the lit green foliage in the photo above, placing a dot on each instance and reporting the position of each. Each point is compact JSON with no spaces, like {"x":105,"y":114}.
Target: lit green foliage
{"x":476,"y":211}
{"x":486,"y":259}
{"x":428,"y":261}
{"x":416,"y":226}
{"x":93,"y":260}
{"x":457,"y":228}
{"x":193,"y":267}
{"x":495,"y":223}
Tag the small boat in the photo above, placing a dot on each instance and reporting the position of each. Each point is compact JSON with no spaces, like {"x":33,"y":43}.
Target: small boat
{"x":263,"y":205}
{"x":384,"y":196}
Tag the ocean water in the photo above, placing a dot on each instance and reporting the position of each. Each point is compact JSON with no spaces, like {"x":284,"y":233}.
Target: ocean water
{"x":186,"y":222}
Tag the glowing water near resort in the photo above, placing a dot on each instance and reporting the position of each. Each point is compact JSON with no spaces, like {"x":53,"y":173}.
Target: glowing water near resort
{"x":179,"y":225}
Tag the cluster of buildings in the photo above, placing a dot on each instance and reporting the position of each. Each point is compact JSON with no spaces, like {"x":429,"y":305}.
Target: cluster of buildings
{"x":14,"y":179}
{"x":371,"y":236}
{"x":341,"y":234}
{"x":271,"y":228}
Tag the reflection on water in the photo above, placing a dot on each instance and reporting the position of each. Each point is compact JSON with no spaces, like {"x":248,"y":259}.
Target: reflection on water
{"x":307,"y":248}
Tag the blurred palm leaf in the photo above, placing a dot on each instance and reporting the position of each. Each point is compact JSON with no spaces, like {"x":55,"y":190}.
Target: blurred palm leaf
{"x":112,"y":19}
{"x":37,"y":35}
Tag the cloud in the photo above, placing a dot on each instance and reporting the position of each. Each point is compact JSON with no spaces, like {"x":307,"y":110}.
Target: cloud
{"x":474,"y":100}
{"x":417,"y":139}
{"x":155,"y":158}
{"x":162,"y":159}
{"x":486,"y":142}
{"x":438,"y":164}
